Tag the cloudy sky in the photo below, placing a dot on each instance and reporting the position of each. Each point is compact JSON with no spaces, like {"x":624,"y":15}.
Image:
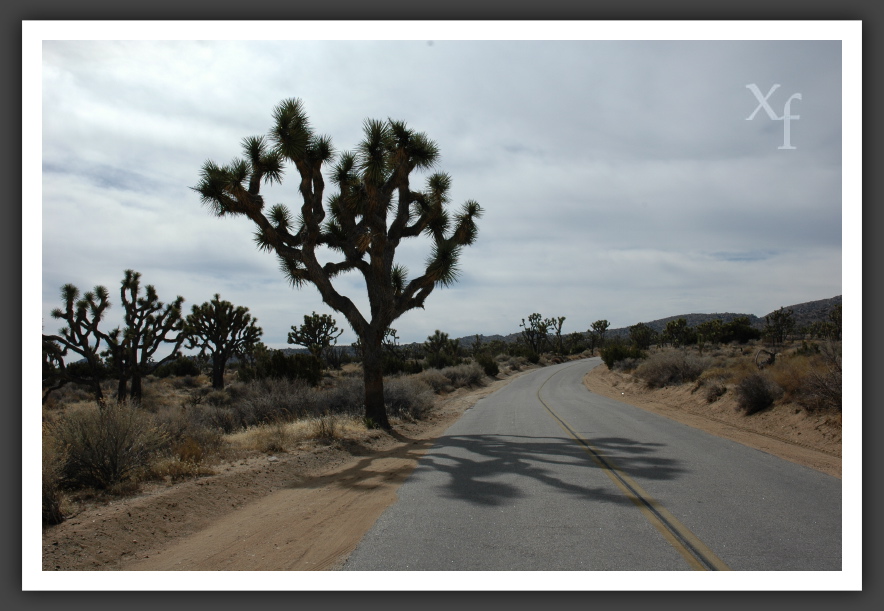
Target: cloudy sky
{"x":620,"y":180}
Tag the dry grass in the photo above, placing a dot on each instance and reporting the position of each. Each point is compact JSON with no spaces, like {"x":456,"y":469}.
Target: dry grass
{"x":282,"y":436}
{"x":183,"y":428}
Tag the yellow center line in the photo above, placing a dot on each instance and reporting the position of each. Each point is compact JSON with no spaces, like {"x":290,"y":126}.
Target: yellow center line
{"x":695,"y":552}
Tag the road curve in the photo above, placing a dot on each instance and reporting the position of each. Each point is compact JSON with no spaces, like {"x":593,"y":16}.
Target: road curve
{"x":544,"y":475}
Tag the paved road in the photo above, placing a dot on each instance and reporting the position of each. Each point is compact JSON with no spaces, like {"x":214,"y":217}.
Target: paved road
{"x":544,"y":475}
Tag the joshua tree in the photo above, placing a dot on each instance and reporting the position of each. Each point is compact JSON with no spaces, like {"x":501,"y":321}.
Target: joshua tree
{"x":441,"y":351}
{"x":641,"y":335}
{"x":149,"y":323}
{"x":361,"y":226}
{"x":598,"y":330}
{"x":80,"y":336}
{"x":678,"y":333}
{"x":535,"y":332}
{"x":778,"y":326}
{"x":223,"y":331}
{"x":556,"y":325}
{"x":317,"y":334}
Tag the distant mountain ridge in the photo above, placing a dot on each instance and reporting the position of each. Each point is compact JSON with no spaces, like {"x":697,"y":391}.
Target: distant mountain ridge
{"x":804,"y":314}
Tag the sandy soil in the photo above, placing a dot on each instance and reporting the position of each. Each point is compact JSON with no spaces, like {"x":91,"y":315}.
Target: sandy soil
{"x":307,"y":509}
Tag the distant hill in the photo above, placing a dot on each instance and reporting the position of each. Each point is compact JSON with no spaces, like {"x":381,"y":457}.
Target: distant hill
{"x":804,"y":313}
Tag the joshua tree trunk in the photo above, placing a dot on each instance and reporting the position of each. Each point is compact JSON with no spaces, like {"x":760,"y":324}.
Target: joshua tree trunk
{"x":217,"y":371}
{"x":137,"y":391}
{"x":373,"y":371}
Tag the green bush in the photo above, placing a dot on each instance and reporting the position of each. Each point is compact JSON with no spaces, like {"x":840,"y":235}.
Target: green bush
{"x":107,"y":446}
{"x":441,"y":360}
{"x":278,"y":365}
{"x":617,"y":351}
{"x":394,"y":364}
{"x":756,"y":392}
{"x":488,"y":364}
{"x":180,"y":367}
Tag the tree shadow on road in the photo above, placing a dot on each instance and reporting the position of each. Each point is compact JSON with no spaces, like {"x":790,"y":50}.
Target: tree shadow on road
{"x":484,"y":469}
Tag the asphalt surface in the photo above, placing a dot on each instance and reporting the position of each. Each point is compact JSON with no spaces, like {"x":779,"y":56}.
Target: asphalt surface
{"x":544,"y":475}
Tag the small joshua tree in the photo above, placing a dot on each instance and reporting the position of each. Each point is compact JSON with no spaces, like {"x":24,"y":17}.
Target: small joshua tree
{"x":598,"y":330}
{"x":778,"y":326}
{"x":556,"y":325}
{"x":440,"y":350}
{"x":221,"y":330}
{"x":317,"y":334}
{"x":360,"y":227}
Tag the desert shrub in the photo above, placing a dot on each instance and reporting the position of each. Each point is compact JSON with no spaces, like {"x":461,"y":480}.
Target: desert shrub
{"x":714,"y":392}
{"x":533,"y":357}
{"x":347,"y":396}
{"x":223,"y":419}
{"x":185,"y":382}
{"x":71,"y":393}
{"x":217,"y":397}
{"x":52,"y":467}
{"x":627,"y":364}
{"x":184,"y":426}
{"x":671,"y":368}
{"x":617,"y":351}
{"x":488,"y":364}
{"x":271,"y":399}
{"x":822,"y":384}
{"x":435,"y":379}
{"x":822,"y":392}
{"x":107,"y":446}
{"x":408,"y":397}
{"x":756,"y":392}
{"x":468,"y":374}
{"x":790,"y":373}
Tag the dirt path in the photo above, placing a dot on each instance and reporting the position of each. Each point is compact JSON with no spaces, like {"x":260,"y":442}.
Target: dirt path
{"x":307,"y":509}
